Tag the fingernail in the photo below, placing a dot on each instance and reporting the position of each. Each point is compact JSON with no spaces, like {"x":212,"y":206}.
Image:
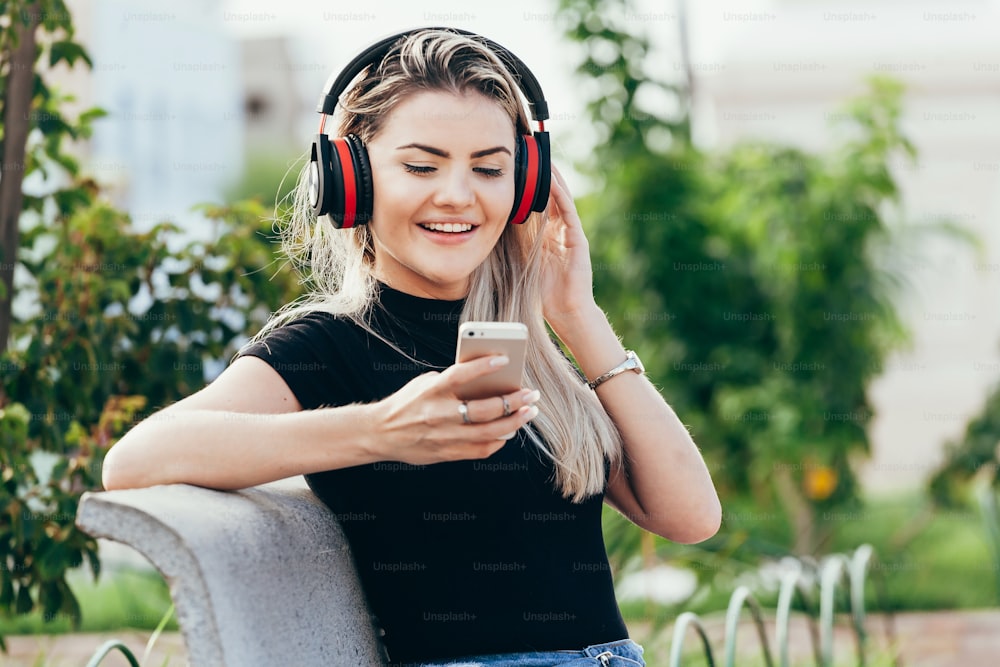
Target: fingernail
{"x":532,"y":412}
{"x":499,"y":361}
{"x":532,"y":397}
{"x":508,"y":436}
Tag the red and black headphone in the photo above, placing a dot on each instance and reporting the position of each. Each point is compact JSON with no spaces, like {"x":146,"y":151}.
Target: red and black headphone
{"x":340,"y":176}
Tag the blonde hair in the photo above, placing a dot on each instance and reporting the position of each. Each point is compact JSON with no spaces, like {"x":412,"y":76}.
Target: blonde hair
{"x":575,"y":431}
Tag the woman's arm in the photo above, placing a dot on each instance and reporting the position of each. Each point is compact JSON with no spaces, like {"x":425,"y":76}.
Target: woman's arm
{"x":243,"y":429}
{"x":247,"y":428}
{"x":667,"y":488}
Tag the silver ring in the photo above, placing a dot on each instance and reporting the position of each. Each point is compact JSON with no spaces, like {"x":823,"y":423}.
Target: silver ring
{"x":506,"y":406}
{"x":463,"y":409}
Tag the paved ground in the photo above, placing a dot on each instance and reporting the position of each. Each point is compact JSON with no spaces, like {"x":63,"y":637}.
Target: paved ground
{"x":76,"y":649}
{"x":934,"y":639}
{"x":938,"y":639}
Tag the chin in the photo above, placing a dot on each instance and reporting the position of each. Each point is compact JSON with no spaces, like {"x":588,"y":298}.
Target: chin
{"x":457,"y":278}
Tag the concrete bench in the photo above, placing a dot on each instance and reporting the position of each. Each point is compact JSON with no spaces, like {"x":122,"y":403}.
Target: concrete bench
{"x":259,"y":577}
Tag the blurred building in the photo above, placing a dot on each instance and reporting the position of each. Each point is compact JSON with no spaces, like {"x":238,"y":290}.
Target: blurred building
{"x":272,"y":104}
{"x":780,"y":70}
{"x":169,"y":77}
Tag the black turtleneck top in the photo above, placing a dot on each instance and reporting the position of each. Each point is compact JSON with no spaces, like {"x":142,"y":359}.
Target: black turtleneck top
{"x":459,"y":558}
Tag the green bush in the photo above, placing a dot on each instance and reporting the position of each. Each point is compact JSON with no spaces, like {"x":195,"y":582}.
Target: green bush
{"x":756,"y":281}
{"x":112,"y":323}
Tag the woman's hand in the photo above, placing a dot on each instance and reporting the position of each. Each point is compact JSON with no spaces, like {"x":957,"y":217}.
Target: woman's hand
{"x":567,"y":278}
{"x":421,"y":423}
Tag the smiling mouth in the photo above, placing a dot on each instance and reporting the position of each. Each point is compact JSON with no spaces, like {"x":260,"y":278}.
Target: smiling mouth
{"x":448,"y":227}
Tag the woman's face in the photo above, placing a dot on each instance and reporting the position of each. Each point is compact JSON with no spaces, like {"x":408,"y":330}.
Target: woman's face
{"x":443,"y":177}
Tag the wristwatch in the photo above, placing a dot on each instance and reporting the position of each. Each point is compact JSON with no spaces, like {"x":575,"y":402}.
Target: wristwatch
{"x":631,"y":363}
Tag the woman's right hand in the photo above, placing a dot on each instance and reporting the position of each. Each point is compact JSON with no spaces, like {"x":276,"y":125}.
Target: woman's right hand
{"x":421,"y":423}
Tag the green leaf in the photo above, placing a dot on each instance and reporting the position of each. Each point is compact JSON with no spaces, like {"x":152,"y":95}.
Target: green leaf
{"x":70,"y":605}
{"x":69,"y":52}
{"x":6,"y":588}
{"x":92,"y":114}
{"x":24,"y":602}
{"x":50,"y":598}
{"x":94,"y":562}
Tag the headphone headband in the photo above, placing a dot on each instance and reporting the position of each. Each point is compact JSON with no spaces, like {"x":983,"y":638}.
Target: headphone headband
{"x":340,"y":178}
{"x":375,"y":53}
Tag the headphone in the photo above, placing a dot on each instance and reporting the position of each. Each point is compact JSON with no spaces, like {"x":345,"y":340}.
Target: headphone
{"x":340,"y":175}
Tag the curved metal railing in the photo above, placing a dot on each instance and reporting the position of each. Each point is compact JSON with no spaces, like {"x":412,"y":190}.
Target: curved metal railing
{"x":831,"y":573}
{"x":112,"y":644}
{"x":741,"y":597}
{"x":106,"y":650}
{"x":680,"y":628}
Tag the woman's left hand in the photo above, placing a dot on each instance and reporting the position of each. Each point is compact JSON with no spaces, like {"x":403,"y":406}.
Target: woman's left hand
{"x":567,"y":275}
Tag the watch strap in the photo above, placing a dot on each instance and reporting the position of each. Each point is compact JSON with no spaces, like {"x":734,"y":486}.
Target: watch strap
{"x":631,"y":363}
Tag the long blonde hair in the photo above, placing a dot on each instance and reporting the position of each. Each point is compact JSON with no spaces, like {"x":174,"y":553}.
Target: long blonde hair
{"x":575,"y":431}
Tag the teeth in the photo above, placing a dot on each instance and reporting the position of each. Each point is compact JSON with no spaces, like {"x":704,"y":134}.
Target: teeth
{"x":448,"y":227}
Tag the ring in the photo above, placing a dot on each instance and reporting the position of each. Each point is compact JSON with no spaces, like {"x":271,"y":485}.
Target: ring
{"x":463,"y":409}
{"x":506,"y":406}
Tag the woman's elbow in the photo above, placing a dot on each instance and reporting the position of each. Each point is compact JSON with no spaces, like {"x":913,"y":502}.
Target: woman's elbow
{"x":112,"y":477}
{"x":702,"y":526}
{"x":709,"y":526}
{"x":125,"y":466}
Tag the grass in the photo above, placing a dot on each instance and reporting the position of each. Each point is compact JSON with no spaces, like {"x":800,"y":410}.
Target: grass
{"x":927,"y":560}
{"x":125,"y":598}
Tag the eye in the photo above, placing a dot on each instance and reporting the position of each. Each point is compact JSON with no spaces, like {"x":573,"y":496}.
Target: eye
{"x":416,"y":169}
{"x":489,"y":173}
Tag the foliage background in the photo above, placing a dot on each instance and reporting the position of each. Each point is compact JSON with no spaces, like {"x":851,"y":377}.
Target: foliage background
{"x":112,"y":324}
{"x":749,"y":279}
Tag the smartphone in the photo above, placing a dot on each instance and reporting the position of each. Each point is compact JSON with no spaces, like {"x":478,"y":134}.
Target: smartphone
{"x":479,"y":339}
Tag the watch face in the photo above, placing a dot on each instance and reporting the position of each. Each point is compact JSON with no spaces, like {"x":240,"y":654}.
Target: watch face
{"x":635,"y":363}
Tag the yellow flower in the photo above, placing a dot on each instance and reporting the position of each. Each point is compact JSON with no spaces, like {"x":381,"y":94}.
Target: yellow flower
{"x":820,"y":482}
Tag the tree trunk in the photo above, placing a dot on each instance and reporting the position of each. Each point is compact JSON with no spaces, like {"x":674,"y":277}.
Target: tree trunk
{"x":803,"y":521}
{"x":16,"y":124}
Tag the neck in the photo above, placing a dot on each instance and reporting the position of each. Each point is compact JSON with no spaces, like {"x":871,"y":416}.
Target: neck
{"x":427,"y":289}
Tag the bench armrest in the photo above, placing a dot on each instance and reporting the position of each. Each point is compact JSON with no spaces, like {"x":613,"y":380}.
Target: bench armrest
{"x":259,"y":577}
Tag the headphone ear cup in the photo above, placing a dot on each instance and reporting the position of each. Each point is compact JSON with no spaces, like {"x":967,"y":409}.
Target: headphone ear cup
{"x":520,"y":167}
{"x":319,"y":176}
{"x":340,"y":180}
{"x":532,"y":174}
{"x":364,"y":190}
{"x":544,"y":171}
{"x":345,"y":181}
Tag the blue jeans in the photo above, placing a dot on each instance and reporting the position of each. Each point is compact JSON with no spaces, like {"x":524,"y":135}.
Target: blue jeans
{"x":622,"y":653}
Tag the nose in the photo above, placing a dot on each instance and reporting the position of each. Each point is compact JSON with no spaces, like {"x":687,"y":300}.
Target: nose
{"x":455,"y":189}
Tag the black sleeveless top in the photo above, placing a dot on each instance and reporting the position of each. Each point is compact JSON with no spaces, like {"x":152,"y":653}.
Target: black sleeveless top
{"x":459,"y":558}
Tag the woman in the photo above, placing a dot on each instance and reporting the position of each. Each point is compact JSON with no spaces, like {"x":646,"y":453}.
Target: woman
{"x":475,"y":525}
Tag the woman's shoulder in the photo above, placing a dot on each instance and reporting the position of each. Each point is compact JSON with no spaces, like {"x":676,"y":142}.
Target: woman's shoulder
{"x":314,"y":321}
{"x":314,"y":353}
{"x":316,"y":330}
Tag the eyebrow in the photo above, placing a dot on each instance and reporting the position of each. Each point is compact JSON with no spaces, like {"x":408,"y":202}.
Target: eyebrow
{"x":446,"y":154}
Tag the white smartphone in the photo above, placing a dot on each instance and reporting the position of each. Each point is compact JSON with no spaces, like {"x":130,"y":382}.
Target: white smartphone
{"x":478,"y":339}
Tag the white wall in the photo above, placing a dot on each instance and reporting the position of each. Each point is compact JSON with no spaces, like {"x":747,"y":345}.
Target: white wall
{"x":169,"y":76}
